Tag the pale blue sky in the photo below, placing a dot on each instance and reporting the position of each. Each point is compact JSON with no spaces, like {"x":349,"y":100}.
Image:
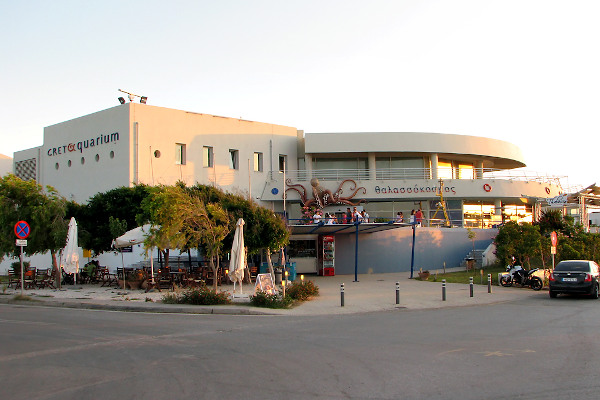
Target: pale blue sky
{"x":524,"y":71}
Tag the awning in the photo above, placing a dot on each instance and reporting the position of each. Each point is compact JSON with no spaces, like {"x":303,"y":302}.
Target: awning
{"x":357,"y":228}
{"x":323,"y":229}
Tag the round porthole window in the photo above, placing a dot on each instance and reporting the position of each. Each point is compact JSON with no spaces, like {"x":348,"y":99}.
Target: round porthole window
{"x":56,"y":166}
{"x":82,"y":160}
{"x":97,"y":157}
{"x":112,"y":154}
{"x":69,"y":163}
{"x":157,"y":153}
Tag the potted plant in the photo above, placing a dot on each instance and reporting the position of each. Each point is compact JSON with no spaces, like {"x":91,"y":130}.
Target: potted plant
{"x":135,"y":279}
{"x":423,"y":275}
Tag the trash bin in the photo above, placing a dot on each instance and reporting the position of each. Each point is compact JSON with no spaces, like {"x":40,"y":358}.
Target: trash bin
{"x":470,"y":264}
{"x":290,"y":267}
{"x":278,"y":277}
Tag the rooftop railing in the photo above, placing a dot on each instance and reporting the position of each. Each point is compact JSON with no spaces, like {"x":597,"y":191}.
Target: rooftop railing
{"x":417,"y":173}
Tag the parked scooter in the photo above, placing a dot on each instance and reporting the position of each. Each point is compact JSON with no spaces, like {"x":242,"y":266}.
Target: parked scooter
{"x":520,"y":276}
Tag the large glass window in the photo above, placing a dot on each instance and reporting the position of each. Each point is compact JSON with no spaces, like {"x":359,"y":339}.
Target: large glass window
{"x":340,"y":163}
{"x":445,"y":170}
{"x":400,"y":168}
{"x":302,"y":248}
{"x":234,"y":159}
{"x":465,"y":171}
{"x":207,"y":157}
{"x":179,"y":153}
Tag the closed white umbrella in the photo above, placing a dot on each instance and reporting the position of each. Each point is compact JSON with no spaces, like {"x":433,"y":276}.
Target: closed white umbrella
{"x":69,"y":258}
{"x":238,"y":255}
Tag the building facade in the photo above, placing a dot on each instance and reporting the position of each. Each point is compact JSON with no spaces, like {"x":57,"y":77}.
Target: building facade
{"x":457,"y":181}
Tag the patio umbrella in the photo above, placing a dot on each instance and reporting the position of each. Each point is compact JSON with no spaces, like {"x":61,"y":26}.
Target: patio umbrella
{"x":134,"y":236}
{"x":69,"y":258}
{"x":238,"y":255}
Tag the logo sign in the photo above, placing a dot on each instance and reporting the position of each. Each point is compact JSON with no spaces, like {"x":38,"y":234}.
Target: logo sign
{"x":22,"y":230}
{"x":21,"y":242}
{"x":554,"y":239}
{"x":557,"y":201}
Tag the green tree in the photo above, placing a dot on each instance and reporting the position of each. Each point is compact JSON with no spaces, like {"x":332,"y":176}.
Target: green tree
{"x":122,"y":204}
{"x":167,"y":208}
{"x":521,"y":241}
{"x":44,"y":211}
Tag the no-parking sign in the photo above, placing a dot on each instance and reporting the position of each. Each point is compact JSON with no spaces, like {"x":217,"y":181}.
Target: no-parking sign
{"x":22,"y":230}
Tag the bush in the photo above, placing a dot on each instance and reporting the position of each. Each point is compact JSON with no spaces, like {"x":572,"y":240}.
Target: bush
{"x":197,"y":296}
{"x":302,"y":290}
{"x":263,"y":299}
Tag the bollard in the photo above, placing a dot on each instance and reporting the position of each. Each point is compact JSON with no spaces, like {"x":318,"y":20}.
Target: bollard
{"x":397,"y":292}
{"x":471,"y":286}
{"x":443,"y":290}
{"x":489,"y":283}
{"x":342,"y":295}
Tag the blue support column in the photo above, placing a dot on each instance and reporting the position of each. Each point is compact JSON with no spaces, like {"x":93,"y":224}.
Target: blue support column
{"x":356,"y":253}
{"x":412,"y":257}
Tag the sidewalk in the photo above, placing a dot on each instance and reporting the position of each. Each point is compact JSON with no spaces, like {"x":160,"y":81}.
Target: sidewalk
{"x":372,"y":292}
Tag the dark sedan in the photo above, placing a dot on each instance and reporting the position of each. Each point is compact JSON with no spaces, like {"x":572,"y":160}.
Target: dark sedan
{"x":575,"y":277}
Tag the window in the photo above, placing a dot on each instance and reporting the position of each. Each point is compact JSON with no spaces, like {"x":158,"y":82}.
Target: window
{"x":445,"y":170}
{"x":258,"y":162}
{"x":465,"y":171}
{"x":282,"y":162}
{"x":207,"y":157}
{"x":234,"y":159}
{"x":179,"y":153}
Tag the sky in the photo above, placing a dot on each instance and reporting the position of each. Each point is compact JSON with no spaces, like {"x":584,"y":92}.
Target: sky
{"x":525,"y":71}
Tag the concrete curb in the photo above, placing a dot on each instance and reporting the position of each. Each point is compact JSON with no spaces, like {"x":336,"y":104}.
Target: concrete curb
{"x":141,"y":307}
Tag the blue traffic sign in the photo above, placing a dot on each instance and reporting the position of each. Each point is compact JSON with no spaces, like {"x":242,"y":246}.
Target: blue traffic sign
{"x":22,"y":229}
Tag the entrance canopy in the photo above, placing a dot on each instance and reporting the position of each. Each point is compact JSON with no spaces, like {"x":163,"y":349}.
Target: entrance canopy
{"x":357,"y":228}
{"x":323,"y":229}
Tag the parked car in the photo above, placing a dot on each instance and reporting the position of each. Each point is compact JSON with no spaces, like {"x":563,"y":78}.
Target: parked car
{"x":575,"y":277}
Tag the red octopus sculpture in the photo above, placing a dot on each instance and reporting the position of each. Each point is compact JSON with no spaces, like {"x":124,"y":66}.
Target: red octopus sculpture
{"x":324,"y":197}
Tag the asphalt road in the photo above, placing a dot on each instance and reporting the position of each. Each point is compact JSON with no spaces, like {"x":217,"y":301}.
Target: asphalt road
{"x":535,"y":350}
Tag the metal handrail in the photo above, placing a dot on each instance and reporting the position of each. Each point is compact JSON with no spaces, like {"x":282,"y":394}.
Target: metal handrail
{"x":417,"y":173}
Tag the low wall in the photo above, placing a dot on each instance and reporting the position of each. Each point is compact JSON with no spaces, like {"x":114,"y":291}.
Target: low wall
{"x":390,"y":251}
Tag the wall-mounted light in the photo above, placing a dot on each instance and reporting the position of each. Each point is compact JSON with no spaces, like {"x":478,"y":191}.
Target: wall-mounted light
{"x":121,"y":100}
{"x":143,"y":99}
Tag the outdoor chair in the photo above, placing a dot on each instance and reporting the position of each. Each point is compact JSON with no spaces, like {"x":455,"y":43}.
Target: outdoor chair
{"x":29,"y":279}
{"x":253,"y":273}
{"x":107,"y":278}
{"x":47,"y":280}
{"x":13,"y":278}
{"x":40,"y":275}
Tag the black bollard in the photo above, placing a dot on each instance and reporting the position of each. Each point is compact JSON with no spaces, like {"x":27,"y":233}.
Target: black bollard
{"x":342,"y":295}
{"x":489,"y":283}
{"x":443,"y":290}
{"x":397,"y":292}
{"x":471,"y":286}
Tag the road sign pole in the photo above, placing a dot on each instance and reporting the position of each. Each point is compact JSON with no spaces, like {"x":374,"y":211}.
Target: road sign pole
{"x":22,"y":276}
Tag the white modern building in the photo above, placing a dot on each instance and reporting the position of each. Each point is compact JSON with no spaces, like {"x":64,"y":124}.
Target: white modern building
{"x":391,"y":171}
{"x":458,"y":181}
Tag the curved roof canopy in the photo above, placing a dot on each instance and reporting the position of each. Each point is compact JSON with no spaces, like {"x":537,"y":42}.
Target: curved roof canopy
{"x":503,"y":154}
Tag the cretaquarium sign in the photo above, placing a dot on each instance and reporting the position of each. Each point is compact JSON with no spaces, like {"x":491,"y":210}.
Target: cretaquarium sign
{"x":83,"y":144}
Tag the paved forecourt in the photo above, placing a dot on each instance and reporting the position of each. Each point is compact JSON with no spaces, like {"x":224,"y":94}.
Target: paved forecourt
{"x":372,"y":292}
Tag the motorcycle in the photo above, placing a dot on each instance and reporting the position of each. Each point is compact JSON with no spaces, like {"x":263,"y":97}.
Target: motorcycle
{"x":518,"y":275}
